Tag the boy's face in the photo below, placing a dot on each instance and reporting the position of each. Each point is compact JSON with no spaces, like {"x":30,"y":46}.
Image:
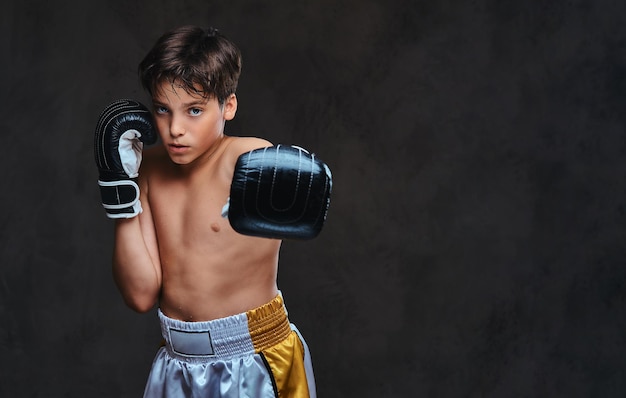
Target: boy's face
{"x":189,"y":125}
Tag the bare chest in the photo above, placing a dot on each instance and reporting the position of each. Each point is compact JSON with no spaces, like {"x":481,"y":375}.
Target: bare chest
{"x":188,"y":211}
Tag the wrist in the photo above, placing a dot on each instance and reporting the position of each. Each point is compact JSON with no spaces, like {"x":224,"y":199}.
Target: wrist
{"x":120,"y":198}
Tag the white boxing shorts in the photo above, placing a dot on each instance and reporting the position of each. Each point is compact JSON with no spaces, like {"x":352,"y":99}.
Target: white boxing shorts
{"x":257,"y":354}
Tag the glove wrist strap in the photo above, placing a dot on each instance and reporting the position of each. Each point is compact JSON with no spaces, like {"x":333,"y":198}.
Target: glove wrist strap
{"x":120,"y":198}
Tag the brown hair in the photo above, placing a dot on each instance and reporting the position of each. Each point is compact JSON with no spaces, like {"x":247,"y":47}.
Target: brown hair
{"x":202,"y":61}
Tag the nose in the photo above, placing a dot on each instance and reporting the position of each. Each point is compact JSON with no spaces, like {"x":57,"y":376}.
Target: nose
{"x":177,"y":128}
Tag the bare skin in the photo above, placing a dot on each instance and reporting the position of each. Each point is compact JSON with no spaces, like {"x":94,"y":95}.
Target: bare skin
{"x":180,"y":252}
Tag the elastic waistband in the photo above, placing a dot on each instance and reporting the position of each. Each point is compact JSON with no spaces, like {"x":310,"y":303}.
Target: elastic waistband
{"x":234,"y":336}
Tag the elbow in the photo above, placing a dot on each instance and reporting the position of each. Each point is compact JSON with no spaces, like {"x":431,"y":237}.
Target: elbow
{"x":140,"y":308}
{"x":140,"y":303}
{"x":139,"y":296}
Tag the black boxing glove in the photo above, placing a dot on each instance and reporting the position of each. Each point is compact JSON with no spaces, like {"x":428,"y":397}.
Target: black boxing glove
{"x":123,"y":128}
{"x":279,"y":192}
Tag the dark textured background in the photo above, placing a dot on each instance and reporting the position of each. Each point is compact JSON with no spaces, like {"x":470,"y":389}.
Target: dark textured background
{"x":475,"y":241}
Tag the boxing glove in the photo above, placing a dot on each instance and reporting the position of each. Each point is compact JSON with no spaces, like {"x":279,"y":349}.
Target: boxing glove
{"x":123,"y":128}
{"x":279,"y":192}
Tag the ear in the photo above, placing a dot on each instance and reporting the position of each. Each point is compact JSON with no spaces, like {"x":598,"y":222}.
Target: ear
{"x":230,"y":107}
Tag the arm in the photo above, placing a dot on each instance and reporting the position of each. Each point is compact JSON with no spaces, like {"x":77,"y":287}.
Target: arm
{"x":136,"y":265}
{"x":122,"y":129}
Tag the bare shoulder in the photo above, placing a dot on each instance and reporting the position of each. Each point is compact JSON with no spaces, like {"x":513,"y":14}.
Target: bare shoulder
{"x":239,"y":145}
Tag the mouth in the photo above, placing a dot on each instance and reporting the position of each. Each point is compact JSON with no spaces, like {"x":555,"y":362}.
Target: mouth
{"x":177,"y":148}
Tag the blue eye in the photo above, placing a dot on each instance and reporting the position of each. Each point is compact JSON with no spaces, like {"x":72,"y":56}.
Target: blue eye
{"x":160,"y":109}
{"x":195,"y":111}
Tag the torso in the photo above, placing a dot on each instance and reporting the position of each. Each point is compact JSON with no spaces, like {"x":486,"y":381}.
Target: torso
{"x":209,"y":270}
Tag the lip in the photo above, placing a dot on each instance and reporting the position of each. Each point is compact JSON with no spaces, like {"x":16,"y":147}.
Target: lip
{"x":177,"y":148}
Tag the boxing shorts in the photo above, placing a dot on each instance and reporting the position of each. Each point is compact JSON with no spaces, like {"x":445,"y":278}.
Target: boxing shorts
{"x":257,"y":353}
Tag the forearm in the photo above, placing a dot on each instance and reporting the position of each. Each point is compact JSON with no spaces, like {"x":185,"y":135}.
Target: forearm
{"x":136,"y":273}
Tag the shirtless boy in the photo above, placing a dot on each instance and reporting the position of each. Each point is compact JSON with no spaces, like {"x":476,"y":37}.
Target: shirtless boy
{"x":222,"y":317}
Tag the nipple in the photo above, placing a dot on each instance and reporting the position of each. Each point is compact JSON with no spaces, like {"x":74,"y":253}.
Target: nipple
{"x":215,"y":227}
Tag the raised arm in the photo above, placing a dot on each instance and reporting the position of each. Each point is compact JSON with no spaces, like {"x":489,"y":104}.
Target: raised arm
{"x":122,"y":129}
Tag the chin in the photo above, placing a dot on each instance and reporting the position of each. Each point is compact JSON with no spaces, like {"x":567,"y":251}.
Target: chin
{"x":179,"y":160}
